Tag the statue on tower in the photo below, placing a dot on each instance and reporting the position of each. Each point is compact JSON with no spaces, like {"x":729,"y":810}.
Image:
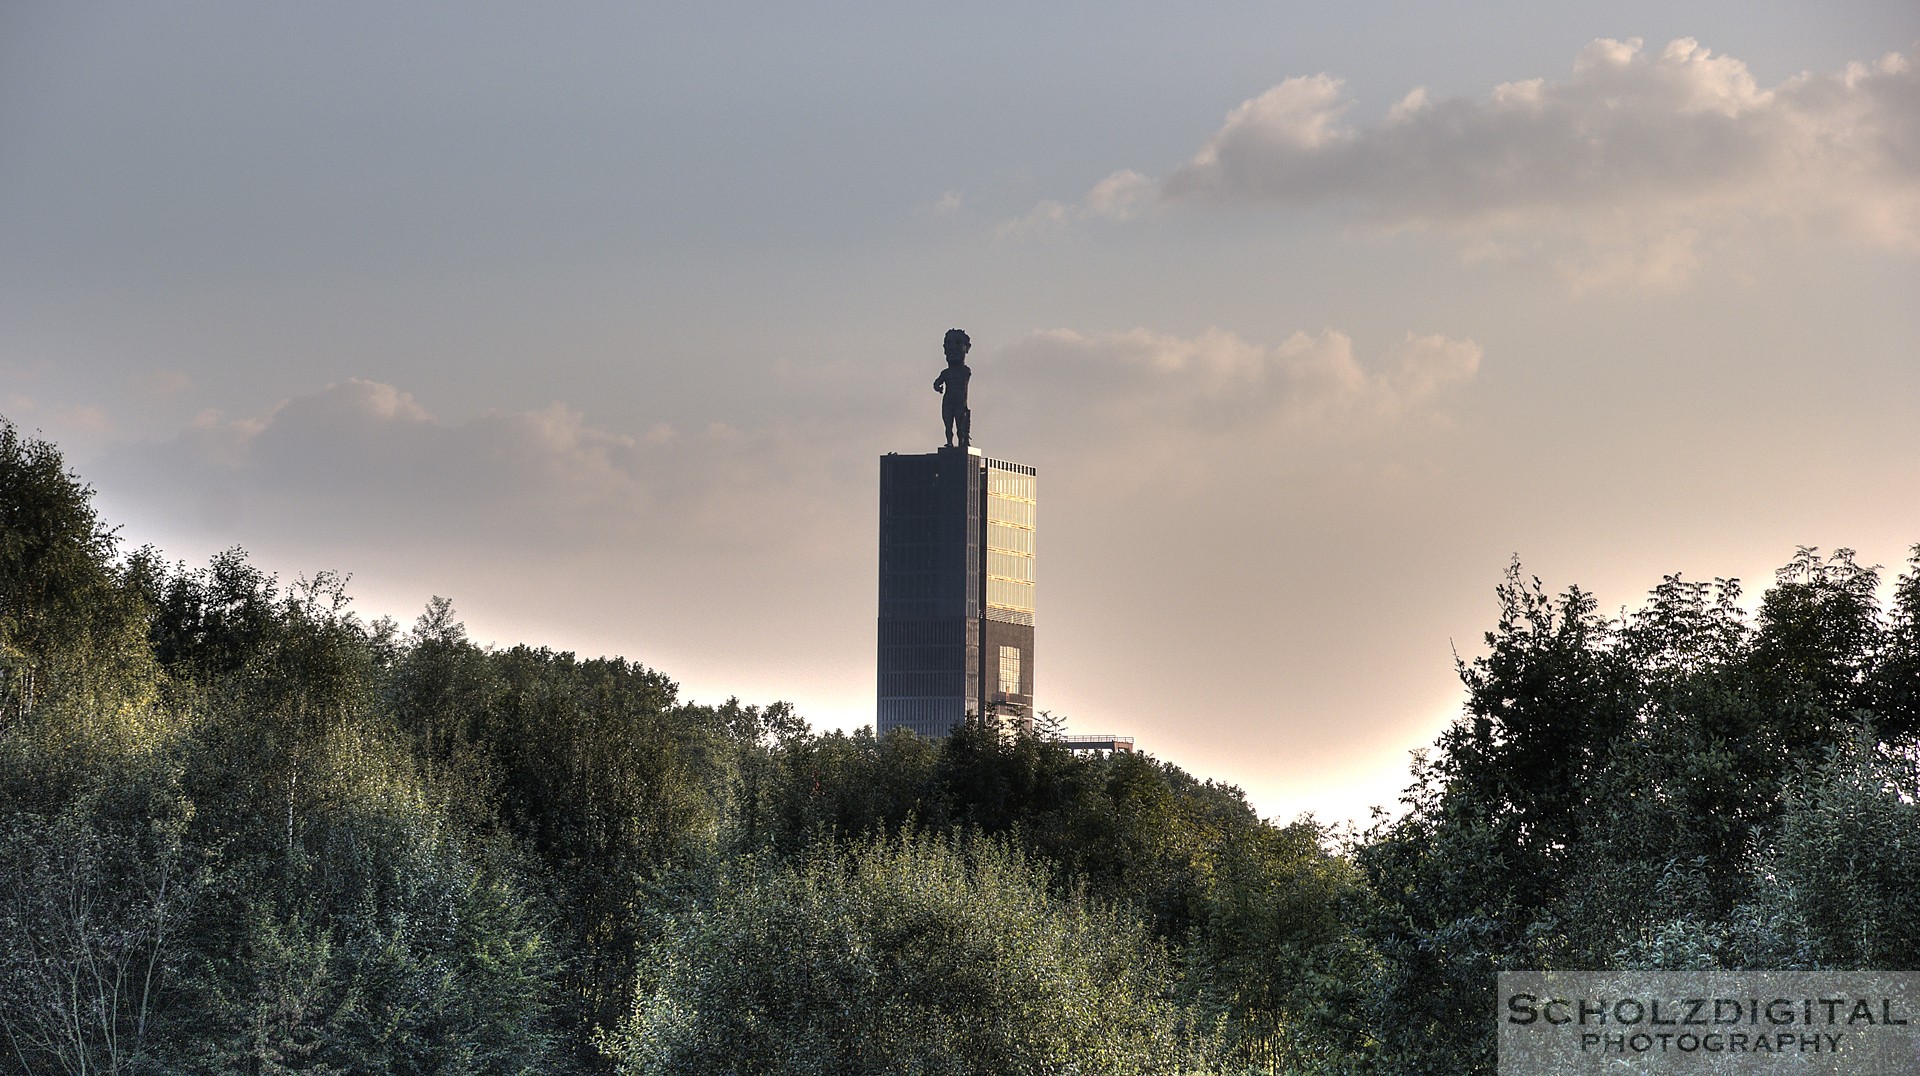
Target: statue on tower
{"x":953,"y":383}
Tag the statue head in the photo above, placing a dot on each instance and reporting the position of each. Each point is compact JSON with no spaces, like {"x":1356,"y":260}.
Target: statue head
{"x":957,"y":345}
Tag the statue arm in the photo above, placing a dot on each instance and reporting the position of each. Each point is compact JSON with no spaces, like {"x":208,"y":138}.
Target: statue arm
{"x":939,"y":381}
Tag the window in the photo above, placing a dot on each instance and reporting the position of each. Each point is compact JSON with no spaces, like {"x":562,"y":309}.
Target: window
{"x":1009,"y":671}
{"x":1017,"y":513}
{"x":1010,"y":594}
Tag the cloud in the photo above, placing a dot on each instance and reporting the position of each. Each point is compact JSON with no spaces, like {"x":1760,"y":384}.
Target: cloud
{"x":740,"y":558}
{"x":1120,"y":197}
{"x":79,"y":425}
{"x":362,"y":464}
{"x":1620,"y":167}
{"x":1216,"y":384}
{"x":1047,"y":217}
{"x":360,"y":459}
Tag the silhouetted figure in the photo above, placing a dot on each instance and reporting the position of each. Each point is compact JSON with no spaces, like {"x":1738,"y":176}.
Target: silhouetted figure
{"x":953,"y":382}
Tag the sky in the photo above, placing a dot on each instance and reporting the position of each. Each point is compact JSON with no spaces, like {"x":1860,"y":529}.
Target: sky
{"x":596,"y":319}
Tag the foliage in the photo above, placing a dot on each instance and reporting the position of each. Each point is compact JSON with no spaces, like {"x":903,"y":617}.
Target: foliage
{"x":1677,"y":787}
{"x":241,"y":829}
{"x":98,"y":887}
{"x":901,"y":954}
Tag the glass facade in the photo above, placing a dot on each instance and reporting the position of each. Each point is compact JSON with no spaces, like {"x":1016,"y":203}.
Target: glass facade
{"x":1011,"y":490}
{"x":931,"y":536}
{"x":956,"y":591}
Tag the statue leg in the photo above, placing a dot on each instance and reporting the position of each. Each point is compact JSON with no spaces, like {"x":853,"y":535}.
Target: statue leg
{"x":966,"y":428}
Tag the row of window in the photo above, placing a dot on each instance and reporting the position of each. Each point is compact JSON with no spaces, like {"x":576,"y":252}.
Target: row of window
{"x":929,"y":608}
{"x":923,"y":683}
{"x":1010,"y":594}
{"x":937,"y":533}
{"x":1004,"y":510}
{"x":950,"y":684}
{"x":934,"y":631}
{"x":1009,"y":566}
{"x":922,"y":658}
{"x":916,"y":560}
{"x":928,"y":717}
{"x":910,"y":585}
{"x":1002,"y":484}
{"x":1015,"y":539}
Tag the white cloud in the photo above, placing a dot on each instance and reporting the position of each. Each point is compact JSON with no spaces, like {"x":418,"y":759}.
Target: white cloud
{"x":1619,"y":169}
{"x":1414,"y":103}
{"x":1042,"y":219}
{"x":1121,"y":196}
{"x":1301,"y":115}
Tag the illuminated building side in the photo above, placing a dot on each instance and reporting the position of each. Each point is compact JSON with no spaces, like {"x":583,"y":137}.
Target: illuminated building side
{"x":1006,"y":629}
{"x":956,"y":591}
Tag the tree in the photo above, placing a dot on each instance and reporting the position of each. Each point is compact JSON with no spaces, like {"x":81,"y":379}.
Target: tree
{"x":1896,"y":676}
{"x":69,"y":621}
{"x":910,"y":954}
{"x":1277,"y":954}
{"x":1819,"y":634}
{"x":97,"y":888}
{"x":1672,"y":788}
{"x":1842,"y":878}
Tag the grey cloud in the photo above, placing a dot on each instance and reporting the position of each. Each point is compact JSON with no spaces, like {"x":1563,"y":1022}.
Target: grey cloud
{"x":362,"y":462}
{"x":361,"y":458}
{"x":1217,"y":384}
{"x":1625,"y":155}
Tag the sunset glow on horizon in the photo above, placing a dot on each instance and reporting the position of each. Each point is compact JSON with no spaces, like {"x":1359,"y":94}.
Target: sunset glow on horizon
{"x":598,"y":321}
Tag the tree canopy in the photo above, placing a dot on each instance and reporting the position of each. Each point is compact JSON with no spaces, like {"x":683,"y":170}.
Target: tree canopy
{"x":241,"y":829}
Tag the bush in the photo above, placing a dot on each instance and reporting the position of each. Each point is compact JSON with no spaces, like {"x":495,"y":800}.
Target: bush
{"x":908,"y":954}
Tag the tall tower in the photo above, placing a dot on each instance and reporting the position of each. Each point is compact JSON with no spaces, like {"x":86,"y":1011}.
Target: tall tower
{"x":956,"y":591}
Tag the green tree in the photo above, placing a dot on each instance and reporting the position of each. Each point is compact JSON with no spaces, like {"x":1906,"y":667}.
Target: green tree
{"x":98,"y":887}
{"x":1842,"y":877}
{"x":1278,"y":955}
{"x":1896,"y":676}
{"x":1634,"y":792}
{"x":70,"y":622}
{"x":909,"y":954}
{"x":378,"y":941}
